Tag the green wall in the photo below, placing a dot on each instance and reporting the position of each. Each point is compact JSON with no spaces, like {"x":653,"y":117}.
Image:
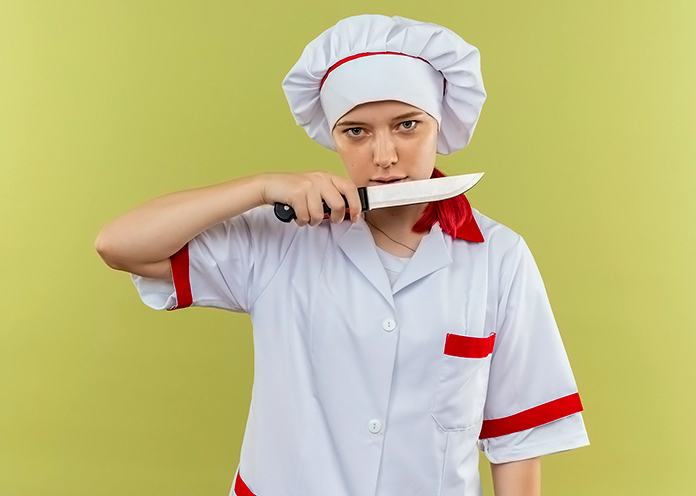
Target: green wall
{"x":588,"y":141}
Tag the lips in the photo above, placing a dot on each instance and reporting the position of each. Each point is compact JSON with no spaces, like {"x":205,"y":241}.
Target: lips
{"x":387,"y":180}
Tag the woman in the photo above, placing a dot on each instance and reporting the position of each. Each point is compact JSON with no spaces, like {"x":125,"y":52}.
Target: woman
{"x":391,"y":347}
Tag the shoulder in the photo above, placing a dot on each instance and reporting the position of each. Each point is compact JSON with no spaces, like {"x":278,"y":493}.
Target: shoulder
{"x":507,"y":252}
{"x":497,"y":237}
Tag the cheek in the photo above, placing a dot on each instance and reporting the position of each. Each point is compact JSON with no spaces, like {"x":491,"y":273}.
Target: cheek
{"x":425,"y":151}
{"x":354,"y":161}
{"x":432,"y":141}
{"x":430,"y":150}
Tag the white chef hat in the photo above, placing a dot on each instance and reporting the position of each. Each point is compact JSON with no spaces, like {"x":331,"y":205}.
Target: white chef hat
{"x":369,"y":58}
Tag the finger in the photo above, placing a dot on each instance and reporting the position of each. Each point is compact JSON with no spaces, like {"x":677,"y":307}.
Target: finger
{"x":336,"y":203}
{"x":350,"y":191}
{"x":315,"y":207}
{"x":301,"y":211}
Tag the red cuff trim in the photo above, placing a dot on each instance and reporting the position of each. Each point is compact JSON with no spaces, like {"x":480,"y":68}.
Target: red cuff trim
{"x":180,"y":274}
{"x":534,"y":417}
{"x":241,"y":489}
{"x":469,"y":346}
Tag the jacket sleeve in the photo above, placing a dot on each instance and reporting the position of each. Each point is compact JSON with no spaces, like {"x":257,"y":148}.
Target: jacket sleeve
{"x":226,"y":266}
{"x":532,"y":406}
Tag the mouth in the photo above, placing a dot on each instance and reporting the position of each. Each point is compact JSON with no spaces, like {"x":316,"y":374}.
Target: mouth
{"x":387,"y":180}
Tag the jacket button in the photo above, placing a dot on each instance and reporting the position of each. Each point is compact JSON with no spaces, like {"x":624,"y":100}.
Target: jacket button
{"x":389,"y":325}
{"x":374,"y":426}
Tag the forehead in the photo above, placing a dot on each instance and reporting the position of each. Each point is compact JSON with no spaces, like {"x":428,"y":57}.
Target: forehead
{"x":384,"y":109}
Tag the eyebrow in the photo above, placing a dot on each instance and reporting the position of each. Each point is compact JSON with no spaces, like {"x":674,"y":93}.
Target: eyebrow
{"x":398,"y":117}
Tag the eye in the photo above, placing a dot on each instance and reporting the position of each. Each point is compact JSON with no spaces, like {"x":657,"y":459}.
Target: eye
{"x":353,"y":131}
{"x":408,"y":125}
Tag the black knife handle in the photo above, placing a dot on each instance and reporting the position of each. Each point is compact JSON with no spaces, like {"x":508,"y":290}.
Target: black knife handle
{"x":285,"y":213}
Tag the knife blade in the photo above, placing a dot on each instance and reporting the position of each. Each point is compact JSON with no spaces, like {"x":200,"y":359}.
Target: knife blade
{"x":398,"y":194}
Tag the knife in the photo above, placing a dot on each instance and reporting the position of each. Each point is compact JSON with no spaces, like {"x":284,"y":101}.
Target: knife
{"x":397,"y":194}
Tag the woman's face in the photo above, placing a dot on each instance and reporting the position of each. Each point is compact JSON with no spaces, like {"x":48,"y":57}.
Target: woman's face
{"x":386,"y":141}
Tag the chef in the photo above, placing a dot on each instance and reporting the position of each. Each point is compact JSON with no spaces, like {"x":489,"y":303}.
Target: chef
{"x":389,"y":345}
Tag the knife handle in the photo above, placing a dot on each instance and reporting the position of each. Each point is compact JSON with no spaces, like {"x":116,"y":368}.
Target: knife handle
{"x":285,"y":213}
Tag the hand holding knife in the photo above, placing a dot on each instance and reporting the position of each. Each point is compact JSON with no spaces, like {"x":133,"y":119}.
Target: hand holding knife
{"x":398,"y":194}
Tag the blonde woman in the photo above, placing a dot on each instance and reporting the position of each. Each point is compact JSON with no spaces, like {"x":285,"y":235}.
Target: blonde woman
{"x":390,"y":345}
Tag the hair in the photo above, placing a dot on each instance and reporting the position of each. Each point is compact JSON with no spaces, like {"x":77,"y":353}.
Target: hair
{"x":450,"y":213}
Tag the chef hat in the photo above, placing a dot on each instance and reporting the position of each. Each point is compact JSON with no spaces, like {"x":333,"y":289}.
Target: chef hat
{"x":369,"y":58}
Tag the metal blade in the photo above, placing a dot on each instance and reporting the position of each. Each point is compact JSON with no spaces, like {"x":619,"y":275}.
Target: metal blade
{"x":422,"y":191}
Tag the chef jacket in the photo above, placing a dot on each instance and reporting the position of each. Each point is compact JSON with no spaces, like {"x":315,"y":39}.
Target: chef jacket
{"x":361,"y":388}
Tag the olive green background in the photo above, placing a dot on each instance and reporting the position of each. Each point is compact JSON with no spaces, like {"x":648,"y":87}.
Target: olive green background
{"x":588,"y":141}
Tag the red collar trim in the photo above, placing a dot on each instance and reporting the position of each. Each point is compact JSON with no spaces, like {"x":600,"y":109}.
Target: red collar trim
{"x":469,"y":229}
{"x":455,"y":216}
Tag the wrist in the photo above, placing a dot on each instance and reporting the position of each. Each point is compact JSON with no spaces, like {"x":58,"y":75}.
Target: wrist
{"x":261,"y":184}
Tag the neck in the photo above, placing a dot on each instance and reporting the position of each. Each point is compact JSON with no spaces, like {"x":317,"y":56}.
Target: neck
{"x":392,"y":228}
{"x":398,"y":219}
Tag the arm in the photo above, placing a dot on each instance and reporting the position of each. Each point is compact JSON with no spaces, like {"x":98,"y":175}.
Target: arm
{"x":142,"y":240}
{"x":522,"y":478}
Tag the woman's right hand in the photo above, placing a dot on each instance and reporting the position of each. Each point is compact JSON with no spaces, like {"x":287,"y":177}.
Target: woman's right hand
{"x":304,"y":192}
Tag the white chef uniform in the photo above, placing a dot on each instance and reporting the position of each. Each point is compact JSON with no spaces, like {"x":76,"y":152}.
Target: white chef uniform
{"x":361,"y":388}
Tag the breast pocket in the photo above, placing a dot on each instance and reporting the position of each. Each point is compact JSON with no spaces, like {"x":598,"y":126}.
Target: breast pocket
{"x":463,"y":381}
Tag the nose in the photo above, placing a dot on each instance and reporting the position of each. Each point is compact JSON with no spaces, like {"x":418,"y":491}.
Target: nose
{"x":384,"y":150}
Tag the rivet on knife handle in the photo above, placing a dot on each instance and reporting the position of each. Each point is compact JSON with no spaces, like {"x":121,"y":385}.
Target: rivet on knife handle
{"x":285,"y":213}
